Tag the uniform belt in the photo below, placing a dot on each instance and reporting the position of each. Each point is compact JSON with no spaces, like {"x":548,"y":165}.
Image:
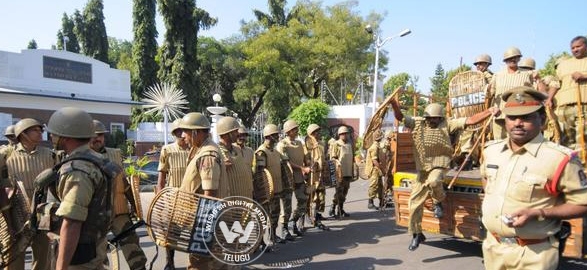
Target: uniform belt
{"x":518,"y":241}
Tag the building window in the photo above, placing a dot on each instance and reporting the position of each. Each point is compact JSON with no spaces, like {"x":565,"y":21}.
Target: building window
{"x":115,"y":127}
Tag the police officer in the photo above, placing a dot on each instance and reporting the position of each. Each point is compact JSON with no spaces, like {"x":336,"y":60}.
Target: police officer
{"x":504,"y":80}
{"x":205,"y":173}
{"x":572,"y":95}
{"x":374,"y":169}
{"x":238,"y":171}
{"x":527,"y":64}
{"x":342,"y":153}
{"x":173,"y":159}
{"x":482,"y":63}
{"x":246,"y":151}
{"x":22,"y":164}
{"x":268,"y":158}
{"x":9,"y":134}
{"x":525,"y":197}
{"x":432,"y":152}
{"x":82,"y":189}
{"x":293,"y":150}
{"x":123,"y":197}
{"x":315,"y":154}
{"x":172,"y":163}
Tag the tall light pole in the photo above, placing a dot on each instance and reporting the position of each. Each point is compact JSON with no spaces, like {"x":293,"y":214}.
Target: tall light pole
{"x":65,"y":40}
{"x":378,"y":44}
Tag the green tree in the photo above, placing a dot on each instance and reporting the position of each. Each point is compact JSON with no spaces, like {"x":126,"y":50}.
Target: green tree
{"x":32,"y":44}
{"x":312,"y":111}
{"x":91,"y":30}
{"x":120,"y":53}
{"x":437,"y":82}
{"x":68,"y":30}
{"x":179,"y":65}
{"x":549,"y":66}
{"x":316,"y":46}
{"x":277,"y":15}
{"x":395,"y":81}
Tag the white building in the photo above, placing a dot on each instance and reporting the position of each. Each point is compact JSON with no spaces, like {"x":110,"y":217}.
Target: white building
{"x":35,"y":83}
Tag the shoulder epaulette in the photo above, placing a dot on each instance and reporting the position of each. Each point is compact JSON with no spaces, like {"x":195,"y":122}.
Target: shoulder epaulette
{"x":565,"y":150}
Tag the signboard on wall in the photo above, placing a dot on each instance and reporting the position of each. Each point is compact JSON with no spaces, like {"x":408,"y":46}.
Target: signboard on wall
{"x":63,"y":69}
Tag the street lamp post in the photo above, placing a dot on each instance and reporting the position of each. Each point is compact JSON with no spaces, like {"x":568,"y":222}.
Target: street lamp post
{"x":217,"y":112}
{"x":378,"y":44}
{"x":65,"y":40}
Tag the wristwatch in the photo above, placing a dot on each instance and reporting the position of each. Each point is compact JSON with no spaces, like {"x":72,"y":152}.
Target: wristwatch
{"x":542,"y":215}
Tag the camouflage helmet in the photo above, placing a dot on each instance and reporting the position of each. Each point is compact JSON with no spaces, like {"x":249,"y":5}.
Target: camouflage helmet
{"x":71,"y":122}
{"x":99,"y":128}
{"x":511,"y":52}
{"x":433,"y":110}
{"x":9,"y":131}
{"x":312,"y":128}
{"x":289,"y":125}
{"x":483,"y":58}
{"x":343,"y":129}
{"x":24,"y":124}
{"x":378,"y":135}
{"x":270,"y":129}
{"x":528,"y":63}
{"x":226,"y":124}
{"x":194,"y":120}
{"x":175,"y":125}
{"x":242,"y":130}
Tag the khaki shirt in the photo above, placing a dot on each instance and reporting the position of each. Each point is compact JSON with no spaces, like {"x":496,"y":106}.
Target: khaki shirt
{"x":373,"y":153}
{"x":293,"y":150}
{"x":568,"y":87}
{"x":206,"y":171}
{"x":516,"y":180}
{"x":270,"y":159}
{"x":173,"y":161}
{"x":247,"y":152}
{"x":24,"y":166}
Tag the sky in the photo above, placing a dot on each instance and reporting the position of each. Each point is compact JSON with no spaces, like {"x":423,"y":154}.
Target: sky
{"x":443,"y":32}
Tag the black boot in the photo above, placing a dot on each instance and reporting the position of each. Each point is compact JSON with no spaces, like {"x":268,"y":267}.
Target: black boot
{"x":331,"y":212}
{"x":438,"y":213}
{"x":278,"y":239}
{"x":342,"y":212}
{"x":286,"y":235}
{"x":297,"y":231}
{"x":318,"y":223}
{"x":417,"y":239}
{"x":370,"y":205}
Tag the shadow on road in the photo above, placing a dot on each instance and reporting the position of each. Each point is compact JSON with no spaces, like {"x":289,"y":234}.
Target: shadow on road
{"x":366,"y":229}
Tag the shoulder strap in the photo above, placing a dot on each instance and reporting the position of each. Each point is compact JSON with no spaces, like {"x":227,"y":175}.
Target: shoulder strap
{"x":551,"y":185}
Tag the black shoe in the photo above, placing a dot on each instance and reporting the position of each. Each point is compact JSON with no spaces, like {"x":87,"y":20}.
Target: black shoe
{"x":416,"y":241}
{"x":343,"y":213}
{"x":321,"y":226}
{"x":279,"y":240}
{"x":331,"y":212}
{"x":169,"y":266}
{"x":296,"y":231}
{"x":438,"y":213}
{"x":370,"y":205}
{"x":286,"y":235}
{"x":319,"y":216}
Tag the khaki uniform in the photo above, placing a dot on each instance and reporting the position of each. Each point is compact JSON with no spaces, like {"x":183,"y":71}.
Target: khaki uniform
{"x":270,"y":159}
{"x":239,"y":174}
{"x":343,"y":153}
{"x":566,"y":100}
{"x":82,"y":191}
{"x":130,"y":246}
{"x":206,"y":171}
{"x":516,"y":180}
{"x":373,"y":172}
{"x":248,"y":154}
{"x":22,"y":167}
{"x":387,"y":163}
{"x":317,"y":159}
{"x":173,"y":161}
{"x":293,"y":150}
{"x":501,"y":82}
{"x":432,"y":154}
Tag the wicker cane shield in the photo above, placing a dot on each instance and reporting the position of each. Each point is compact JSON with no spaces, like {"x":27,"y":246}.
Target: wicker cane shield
{"x":15,"y":232}
{"x":466,"y":92}
{"x":183,"y":221}
{"x":135,"y":182}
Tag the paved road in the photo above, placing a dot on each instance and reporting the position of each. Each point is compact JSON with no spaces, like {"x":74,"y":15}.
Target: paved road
{"x":365,"y":240}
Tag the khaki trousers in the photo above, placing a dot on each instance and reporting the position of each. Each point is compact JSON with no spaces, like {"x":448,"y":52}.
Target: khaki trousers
{"x":498,"y":256}
{"x":427,"y":183}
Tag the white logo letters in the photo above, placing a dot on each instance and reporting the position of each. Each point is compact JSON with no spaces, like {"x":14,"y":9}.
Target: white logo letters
{"x":237,"y":231}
